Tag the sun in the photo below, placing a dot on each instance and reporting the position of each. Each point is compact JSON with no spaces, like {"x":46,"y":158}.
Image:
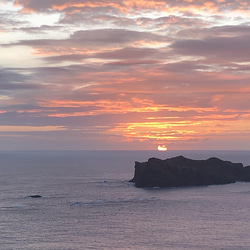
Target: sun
{"x":162,"y":148}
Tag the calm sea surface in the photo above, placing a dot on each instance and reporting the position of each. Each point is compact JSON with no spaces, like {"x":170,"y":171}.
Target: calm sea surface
{"x":87,"y":203}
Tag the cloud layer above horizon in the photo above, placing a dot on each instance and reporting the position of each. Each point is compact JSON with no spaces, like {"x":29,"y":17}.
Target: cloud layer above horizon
{"x":124,"y":74}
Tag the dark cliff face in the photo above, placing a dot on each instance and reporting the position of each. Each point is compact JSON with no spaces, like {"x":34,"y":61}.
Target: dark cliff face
{"x":181,"y":171}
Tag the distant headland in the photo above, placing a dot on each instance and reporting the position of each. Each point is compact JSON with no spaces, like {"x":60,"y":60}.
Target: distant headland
{"x":180,"y":171}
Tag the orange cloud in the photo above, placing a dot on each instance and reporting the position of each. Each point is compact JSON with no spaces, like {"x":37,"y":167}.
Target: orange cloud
{"x":104,"y":107}
{"x":185,"y":130}
{"x":160,"y":131}
{"x":124,"y":6}
{"x":90,"y":4}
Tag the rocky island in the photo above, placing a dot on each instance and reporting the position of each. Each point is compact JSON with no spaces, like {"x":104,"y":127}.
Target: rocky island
{"x":180,"y":171}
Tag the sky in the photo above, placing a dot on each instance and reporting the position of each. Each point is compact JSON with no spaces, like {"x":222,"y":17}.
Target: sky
{"x":124,"y":74}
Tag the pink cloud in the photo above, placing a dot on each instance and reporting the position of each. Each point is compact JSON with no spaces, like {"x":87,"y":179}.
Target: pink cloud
{"x":127,"y":72}
{"x":130,"y":4}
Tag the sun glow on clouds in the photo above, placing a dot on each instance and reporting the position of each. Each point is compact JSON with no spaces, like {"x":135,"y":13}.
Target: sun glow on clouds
{"x":159,"y":131}
{"x":147,"y":72}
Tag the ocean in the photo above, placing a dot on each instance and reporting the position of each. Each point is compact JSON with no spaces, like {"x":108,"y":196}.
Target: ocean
{"x":88,"y":203}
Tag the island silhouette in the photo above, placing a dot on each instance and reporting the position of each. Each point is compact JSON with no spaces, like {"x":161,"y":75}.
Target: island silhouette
{"x":181,"y":171}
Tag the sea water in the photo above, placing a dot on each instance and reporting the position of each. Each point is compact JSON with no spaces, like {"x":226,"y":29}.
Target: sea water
{"x":88,"y":203}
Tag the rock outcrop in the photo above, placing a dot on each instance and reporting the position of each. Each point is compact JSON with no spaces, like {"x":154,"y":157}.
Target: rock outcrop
{"x":181,"y":171}
{"x":35,"y":196}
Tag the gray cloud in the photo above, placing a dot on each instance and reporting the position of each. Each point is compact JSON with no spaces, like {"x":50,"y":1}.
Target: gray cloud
{"x":217,"y":48}
{"x":126,"y":53}
{"x":225,"y":31}
{"x":11,"y":80}
{"x":43,"y":29}
{"x":111,"y":37}
{"x":95,"y":39}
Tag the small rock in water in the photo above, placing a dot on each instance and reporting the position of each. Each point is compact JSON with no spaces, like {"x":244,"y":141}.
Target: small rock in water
{"x":35,"y":196}
{"x":76,"y":204}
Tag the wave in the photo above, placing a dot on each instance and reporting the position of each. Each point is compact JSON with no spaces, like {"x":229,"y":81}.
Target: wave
{"x":118,"y":201}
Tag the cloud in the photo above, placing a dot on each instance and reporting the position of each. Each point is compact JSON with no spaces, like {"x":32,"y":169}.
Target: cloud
{"x":14,"y":84}
{"x":30,"y":128}
{"x":3,"y":2}
{"x":110,"y":37}
{"x":126,"y":53}
{"x":217,"y":48}
{"x":43,"y":29}
{"x":63,"y":5}
{"x":93,"y":39}
{"x":225,"y":31}
{"x":124,"y":72}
